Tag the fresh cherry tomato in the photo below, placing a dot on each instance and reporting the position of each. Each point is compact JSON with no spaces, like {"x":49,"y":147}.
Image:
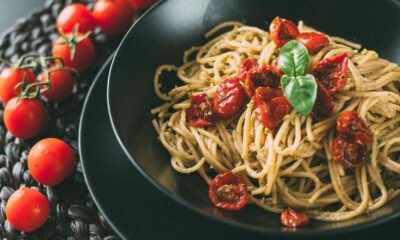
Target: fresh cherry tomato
{"x":50,"y":161}
{"x":228,"y":191}
{"x":331,"y":73}
{"x":323,"y":107}
{"x":353,"y":127}
{"x":61,"y":84}
{"x":10,"y":78}
{"x":84,"y":51}
{"x":312,"y":40}
{"x":265,"y":76}
{"x":282,"y":31}
{"x":113,"y":16}
{"x":75,"y":14}
{"x":270,"y":106}
{"x":292,"y":218}
{"x":27,"y":209}
{"x":348,"y":154}
{"x":24,"y":118}
{"x":200,"y":113}
{"x":141,"y":4}
{"x":229,"y":98}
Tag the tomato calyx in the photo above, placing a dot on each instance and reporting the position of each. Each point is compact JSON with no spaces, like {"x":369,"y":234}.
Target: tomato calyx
{"x":72,"y":39}
{"x":354,"y":128}
{"x":294,"y":218}
{"x":200,"y":113}
{"x":228,"y":191}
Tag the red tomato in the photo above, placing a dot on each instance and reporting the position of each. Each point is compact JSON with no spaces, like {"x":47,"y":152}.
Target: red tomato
{"x":141,"y":4}
{"x":282,"y":31}
{"x":228,"y":191}
{"x":113,"y":16}
{"x":24,"y":118}
{"x":292,"y":218}
{"x":200,"y":114}
{"x":353,"y":127}
{"x":75,"y":14}
{"x":276,"y":68}
{"x":265,"y":75}
{"x":324,"y":105}
{"x":331,"y":73}
{"x":50,"y":161}
{"x":348,"y":154}
{"x":312,"y":40}
{"x":27,"y":209}
{"x":61,"y":84}
{"x":84,"y":52}
{"x":266,"y":94}
{"x":10,"y":78}
{"x":229,"y":98}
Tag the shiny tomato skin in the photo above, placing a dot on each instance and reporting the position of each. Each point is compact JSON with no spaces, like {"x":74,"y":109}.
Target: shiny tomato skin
{"x":228,"y":191}
{"x":312,"y":40}
{"x":113,"y":16}
{"x":229,"y":99}
{"x":10,"y":78}
{"x":84,"y":54}
{"x":141,"y":4}
{"x":282,"y":31}
{"x":349,"y":154}
{"x":324,"y":105}
{"x":293,"y":218}
{"x":331,"y":73}
{"x":61,"y":84}
{"x":24,"y":118}
{"x":50,"y":161}
{"x":353,"y":127}
{"x":271,"y":113}
{"x":74,"y":14}
{"x":200,"y":113}
{"x":27,"y":209}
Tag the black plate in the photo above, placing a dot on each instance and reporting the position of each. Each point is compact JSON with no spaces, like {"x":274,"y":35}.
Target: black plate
{"x":173,"y":26}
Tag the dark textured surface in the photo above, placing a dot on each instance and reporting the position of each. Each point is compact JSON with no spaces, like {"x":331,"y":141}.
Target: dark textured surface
{"x":73,"y":214}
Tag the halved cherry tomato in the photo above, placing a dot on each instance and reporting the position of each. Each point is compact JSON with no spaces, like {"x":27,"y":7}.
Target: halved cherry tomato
{"x":312,"y":40}
{"x":266,"y":94}
{"x":141,"y":4}
{"x":200,"y":114}
{"x":10,"y":78}
{"x":61,"y":84}
{"x":24,"y":118}
{"x":113,"y":16}
{"x":331,"y":73}
{"x":249,"y":64}
{"x":282,"y":31}
{"x":228,"y":191}
{"x":75,"y":14}
{"x":323,"y":107}
{"x":292,"y":218}
{"x":353,"y":127}
{"x":348,"y":154}
{"x":271,"y":114}
{"x":229,"y":98}
{"x":264,"y":76}
{"x":27,"y":209}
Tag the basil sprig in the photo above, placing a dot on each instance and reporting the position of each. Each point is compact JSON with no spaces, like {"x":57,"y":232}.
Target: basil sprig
{"x":298,"y":87}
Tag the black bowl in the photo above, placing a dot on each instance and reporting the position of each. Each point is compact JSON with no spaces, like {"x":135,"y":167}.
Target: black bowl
{"x":173,"y":26}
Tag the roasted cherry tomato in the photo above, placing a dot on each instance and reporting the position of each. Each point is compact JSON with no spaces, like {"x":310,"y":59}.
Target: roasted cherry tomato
{"x":331,"y":73}
{"x":113,"y":16}
{"x":323,"y":107}
{"x":266,"y":94}
{"x":83,"y":55}
{"x":27,"y":209}
{"x":24,"y":118}
{"x":312,"y":40}
{"x":353,"y":127}
{"x":261,"y":76}
{"x":200,"y":113}
{"x":75,"y":15}
{"x":228,"y":191}
{"x":348,"y":154}
{"x":141,"y":4}
{"x":292,"y":218}
{"x":229,"y":98}
{"x":282,"y":31}
{"x":276,"y":68}
{"x":10,"y":78}
{"x":61,"y":83}
{"x":50,"y":161}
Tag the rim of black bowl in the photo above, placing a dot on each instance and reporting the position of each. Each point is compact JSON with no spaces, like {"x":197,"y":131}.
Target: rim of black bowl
{"x":247,"y":227}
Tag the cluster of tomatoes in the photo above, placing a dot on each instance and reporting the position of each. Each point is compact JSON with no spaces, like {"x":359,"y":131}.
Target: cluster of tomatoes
{"x":51,"y":160}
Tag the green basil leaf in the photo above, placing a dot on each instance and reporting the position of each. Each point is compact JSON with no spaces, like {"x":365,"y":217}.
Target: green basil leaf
{"x":301,"y":92}
{"x":293,"y":59}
